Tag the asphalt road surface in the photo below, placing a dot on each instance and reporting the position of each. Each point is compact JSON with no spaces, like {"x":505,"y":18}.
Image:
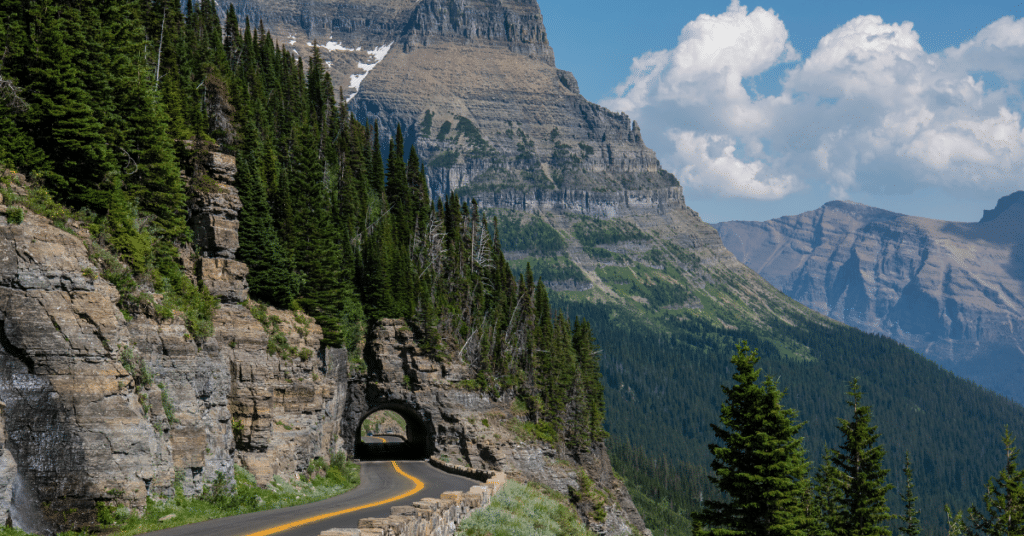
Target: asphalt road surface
{"x":381,"y":487}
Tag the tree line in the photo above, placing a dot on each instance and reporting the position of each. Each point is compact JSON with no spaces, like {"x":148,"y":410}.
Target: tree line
{"x":113,"y":107}
{"x":761,"y":469}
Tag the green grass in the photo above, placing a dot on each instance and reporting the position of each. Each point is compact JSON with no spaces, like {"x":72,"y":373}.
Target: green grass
{"x":530,"y":234}
{"x":521,"y":510}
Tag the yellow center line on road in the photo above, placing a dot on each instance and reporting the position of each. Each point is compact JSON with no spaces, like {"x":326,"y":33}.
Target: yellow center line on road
{"x":281,"y":528}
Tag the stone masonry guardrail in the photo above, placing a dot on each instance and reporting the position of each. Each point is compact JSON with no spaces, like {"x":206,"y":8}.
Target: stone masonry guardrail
{"x":432,"y":517}
{"x":483,"y":475}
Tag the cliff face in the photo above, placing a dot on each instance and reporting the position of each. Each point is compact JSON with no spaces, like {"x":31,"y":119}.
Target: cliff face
{"x":953,"y":291}
{"x":104,"y":408}
{"x":474,"y":86}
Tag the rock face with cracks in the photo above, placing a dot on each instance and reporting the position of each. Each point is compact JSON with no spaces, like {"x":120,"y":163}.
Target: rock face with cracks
{"x":474,"y":86}
{"x":100,"y":408}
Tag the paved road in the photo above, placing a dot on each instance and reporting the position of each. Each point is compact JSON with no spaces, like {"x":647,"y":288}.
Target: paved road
{"x":379,"y":482}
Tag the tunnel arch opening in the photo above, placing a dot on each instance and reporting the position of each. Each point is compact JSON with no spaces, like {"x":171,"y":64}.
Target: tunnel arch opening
{"x":415,"y":442}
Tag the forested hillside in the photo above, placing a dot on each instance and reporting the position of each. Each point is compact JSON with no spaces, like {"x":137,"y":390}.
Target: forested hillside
{"x":950,"y":427}
{"x":666,"y":343}
{"x":109,"y":108}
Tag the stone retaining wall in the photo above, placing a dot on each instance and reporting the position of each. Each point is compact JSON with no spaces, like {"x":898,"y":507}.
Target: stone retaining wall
{"x":431,"y":517}
{"x":483,"y":475}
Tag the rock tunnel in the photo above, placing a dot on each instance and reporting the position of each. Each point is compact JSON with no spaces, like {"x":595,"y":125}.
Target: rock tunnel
{"x":417,"y":443}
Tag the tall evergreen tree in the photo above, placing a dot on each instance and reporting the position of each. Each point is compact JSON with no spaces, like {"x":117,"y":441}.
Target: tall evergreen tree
{"x":909,"y":522}
{"x":1004,"y":498}
{"x":862,"y":509}
{"x":270,"y":270}
{"x":585,"y":345}
{"x":64,"y":120}
{"x":759,"y":463}
{"x":827,"y":489}
{"x":956,"y":526}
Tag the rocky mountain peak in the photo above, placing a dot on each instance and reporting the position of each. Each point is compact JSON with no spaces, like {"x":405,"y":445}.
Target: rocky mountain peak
{"x":1013,"y":203}
{"x":859,"y":211}
{"x":515,"y":24}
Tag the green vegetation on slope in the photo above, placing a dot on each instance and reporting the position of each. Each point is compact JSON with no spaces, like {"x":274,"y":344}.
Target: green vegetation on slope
{"x":662,"y":389}
{"x":384,"y":422}
{"x":529,"y":234}
{"x":522,"y":510}
{"x":592,"y":231}
{"x":668,"y":323}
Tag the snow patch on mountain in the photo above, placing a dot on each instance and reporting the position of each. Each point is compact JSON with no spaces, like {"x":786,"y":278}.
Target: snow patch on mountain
{"x":378,"y":55}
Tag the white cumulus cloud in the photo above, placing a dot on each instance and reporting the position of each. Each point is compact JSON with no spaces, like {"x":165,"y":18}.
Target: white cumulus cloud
{"x":866,"y":108}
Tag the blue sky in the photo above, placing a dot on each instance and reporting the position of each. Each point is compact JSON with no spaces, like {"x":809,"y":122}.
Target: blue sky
{"x":774,"y":108}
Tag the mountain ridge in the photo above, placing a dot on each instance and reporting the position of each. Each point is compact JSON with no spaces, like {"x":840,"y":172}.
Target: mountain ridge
{"x":951,"y":290}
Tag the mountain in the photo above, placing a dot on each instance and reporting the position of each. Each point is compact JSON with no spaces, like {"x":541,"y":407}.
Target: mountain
{"x":582,"y":203}
{"x":475,"y":87}
{"x":568,"y":189}
{"x":952,"y":291}
{"x":141,"y":353}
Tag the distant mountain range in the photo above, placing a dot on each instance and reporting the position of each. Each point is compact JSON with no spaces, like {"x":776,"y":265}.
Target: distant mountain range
{"x":952,"y":291}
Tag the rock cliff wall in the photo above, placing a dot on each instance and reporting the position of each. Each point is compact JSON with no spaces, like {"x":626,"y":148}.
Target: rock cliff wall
{"x":952,"y":291}
{"x":104,"y":408}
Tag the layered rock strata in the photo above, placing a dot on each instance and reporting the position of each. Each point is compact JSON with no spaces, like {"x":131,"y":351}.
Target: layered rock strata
{"x":952,"y":291}
{"x":104,"y":408}
{"x":74,"y":423}
{"x":475,"y":88}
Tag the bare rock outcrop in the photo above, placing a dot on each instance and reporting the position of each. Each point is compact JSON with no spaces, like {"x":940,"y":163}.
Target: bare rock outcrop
{"x":952,"y":291}
{"x":74,"y":424}
{"x":102,"y":406}
{"x":469,"y":427}
{"x":473,"y":84}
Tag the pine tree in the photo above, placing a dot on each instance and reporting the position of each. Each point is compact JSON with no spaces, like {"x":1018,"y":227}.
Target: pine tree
{"x":1004,"y":498}
{"x":955,"y":523}
{"x":759,"y":463}
{"x":862,"y":509}
{"x":585,"y":345}
{"x":827,"y":493}
{"x":909,"y":522}
{"x":63,"y":120}
{"x":270,"y":269}
{"x":378,"y":299}
{"x":376,"y":162}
